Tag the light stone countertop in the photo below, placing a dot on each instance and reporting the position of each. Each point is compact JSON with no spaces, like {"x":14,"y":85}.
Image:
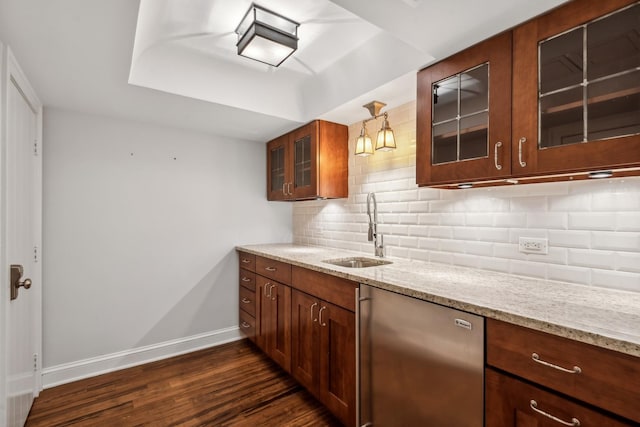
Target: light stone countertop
{"x":602,"y":317}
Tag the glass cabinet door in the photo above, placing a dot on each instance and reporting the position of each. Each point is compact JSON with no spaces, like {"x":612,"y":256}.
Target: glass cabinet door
{"x":302,"y":161}
{"x":576,"y":89}
{"x":278,"y":182}
{"x":463,"y":115}
{"x":590,"y":81}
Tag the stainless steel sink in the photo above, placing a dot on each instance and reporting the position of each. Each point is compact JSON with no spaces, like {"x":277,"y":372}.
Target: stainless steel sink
{"x":357,"y":262}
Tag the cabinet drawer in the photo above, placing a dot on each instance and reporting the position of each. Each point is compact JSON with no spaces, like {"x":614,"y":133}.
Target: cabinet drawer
{"x":248,"y":325}
{"x":335,"y":290}
{"x":248,"y":301}
{"x":247,"y":261}
{"x":510,"y":402}
{"x":276,"y":270}
{"x":606,"y":378}
{"x":248,"y":279}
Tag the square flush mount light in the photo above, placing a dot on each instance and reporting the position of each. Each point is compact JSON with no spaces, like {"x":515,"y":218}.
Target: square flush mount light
{"x":266,"y":36}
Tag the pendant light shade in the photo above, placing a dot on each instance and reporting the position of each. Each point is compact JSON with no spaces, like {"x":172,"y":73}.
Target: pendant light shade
{"x":266,"y":36}
{"x":386,"y":140}
{"x":364,"y":145}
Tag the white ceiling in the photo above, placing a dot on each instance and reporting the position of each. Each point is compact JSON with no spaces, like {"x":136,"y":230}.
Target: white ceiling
{"x":173,"y":62}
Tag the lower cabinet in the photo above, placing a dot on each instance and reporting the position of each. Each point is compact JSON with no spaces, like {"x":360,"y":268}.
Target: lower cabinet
{"x":514,"y":403}
{"x":323,"y":353}
{"x":274,"y":314}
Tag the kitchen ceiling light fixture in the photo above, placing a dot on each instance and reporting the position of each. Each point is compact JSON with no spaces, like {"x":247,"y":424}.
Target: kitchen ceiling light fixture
{"x":385,"y":141}
{"x":266,"y":36}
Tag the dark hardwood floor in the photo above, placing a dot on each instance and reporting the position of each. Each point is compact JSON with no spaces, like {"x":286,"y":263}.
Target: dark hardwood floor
{"x":230,"y":385}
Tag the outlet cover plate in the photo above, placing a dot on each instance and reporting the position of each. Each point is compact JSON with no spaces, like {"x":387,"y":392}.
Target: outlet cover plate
{"x":533,"y":245}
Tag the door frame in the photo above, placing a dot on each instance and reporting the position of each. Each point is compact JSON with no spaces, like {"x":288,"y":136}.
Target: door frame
{"x":10,"y":71}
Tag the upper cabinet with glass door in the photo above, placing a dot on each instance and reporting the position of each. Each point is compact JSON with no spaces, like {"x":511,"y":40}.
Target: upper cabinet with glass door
{"x":308,"y":163}
{"x":463,"y":115}
{"x":576,"y":89}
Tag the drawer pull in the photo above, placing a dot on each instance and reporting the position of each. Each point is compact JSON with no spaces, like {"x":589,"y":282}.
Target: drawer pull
{"x":534,"y":406}
{"x":322,"y":323}
{"x":245,"y":325}
{"x":315,"y":304}
{"x":574,"y":370}
{"x":270,"y":268}
{"x":246,"y":261}
{"x":245,"y":279}
{"x":246,"y":301}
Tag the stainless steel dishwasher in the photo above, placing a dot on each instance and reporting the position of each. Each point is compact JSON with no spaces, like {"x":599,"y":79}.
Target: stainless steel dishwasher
{"x":420,"y":364}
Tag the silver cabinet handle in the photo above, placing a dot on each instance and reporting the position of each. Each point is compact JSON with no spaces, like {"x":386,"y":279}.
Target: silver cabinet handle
{"x":273,"y":297}
{"x":495,"y":155}
{"x":245,"y":325}
{"x":284,"y":188}
{"x":246,"y":261}
{"x":264,"y":290}
{"x":574,"y":370}
{"x":270,"y":268}
{"x":245,"y":279}
{"x":289,"y":188}
{"x":246,"y":301}
{"x":520,"y":142}
{"x":534,"y":406}
{"x":313,"y":305}
{"x":320,"y":316}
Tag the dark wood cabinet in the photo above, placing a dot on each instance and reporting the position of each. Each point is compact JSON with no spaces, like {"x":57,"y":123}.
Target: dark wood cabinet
{"x":274,"y":333}
{"x":463,"y":109}
{"x":601,"y":378}
{"x":323,"y":356}
{"x":514,"y":403}
{"x":308,"y":163}
{"x":563,"y":99}
{"x":576,"y":89}
{"x":247,"y":294}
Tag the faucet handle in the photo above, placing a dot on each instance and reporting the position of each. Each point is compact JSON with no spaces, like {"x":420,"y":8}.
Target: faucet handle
{"x":379,"y":245}
{"x":370,"y":234}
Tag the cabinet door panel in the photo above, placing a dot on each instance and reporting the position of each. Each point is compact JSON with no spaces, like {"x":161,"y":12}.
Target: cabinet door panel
{"x":305,"y":340}
{"x":452,"y":96}
{"x":280,"y":329}
{"x":509,"y":402}
{"x":278,"y":171}
{"x":337,"y":361}
{"x":305,"y":161}
{"x":263,"y":312}
{"x":588,"y":117}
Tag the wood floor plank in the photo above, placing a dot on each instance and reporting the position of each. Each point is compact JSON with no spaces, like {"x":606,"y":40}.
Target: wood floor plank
{"x":229,"y":385}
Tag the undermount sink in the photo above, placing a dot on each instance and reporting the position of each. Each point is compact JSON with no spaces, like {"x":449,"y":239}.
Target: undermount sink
{"x":357,"y":262}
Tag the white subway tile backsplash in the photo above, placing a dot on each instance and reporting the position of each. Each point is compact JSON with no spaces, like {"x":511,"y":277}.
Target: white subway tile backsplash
{"x":616,"y":280}
{"x":592,"y":258}
{"x":591,"y":221}
{"x":593,"y":227}
{"x":619,"y":241}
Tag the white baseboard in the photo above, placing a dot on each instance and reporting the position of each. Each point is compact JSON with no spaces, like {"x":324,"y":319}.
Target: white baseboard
{"x":91,"y":367}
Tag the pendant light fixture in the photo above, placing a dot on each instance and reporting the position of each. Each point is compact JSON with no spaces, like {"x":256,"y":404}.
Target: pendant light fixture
{"x":385,"y":140}
{"x":266,"y":36}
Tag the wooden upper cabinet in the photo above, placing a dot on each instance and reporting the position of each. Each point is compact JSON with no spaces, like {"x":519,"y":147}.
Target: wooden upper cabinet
{"x":308,"y":163}
{"x":576,"y":89}
{"x":463,"y":115}
{"x":562,"y":97}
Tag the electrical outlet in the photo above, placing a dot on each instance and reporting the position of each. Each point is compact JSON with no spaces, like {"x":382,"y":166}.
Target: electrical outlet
{"x":533,"y":245}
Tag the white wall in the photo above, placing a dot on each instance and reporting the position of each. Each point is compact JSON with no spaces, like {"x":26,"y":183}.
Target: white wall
{"x":140,"y":224}
{"x":593,"y":227}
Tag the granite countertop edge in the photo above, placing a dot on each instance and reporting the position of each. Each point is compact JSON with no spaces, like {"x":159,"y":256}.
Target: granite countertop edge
{"x":601,"y":332}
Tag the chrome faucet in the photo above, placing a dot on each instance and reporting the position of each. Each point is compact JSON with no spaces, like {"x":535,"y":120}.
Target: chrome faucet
{"x":373,"y":235}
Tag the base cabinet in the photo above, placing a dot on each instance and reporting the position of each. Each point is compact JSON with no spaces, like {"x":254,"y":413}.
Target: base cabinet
{"x":274,"y":333}
{"x":514,"y":403}
{"x":323,"y":354}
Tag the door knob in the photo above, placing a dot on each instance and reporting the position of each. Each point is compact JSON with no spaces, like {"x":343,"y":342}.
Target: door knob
{"x":16,"y":274}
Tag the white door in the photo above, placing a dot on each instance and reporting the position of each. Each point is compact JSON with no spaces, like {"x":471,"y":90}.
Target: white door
{"x":21,"y":179}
